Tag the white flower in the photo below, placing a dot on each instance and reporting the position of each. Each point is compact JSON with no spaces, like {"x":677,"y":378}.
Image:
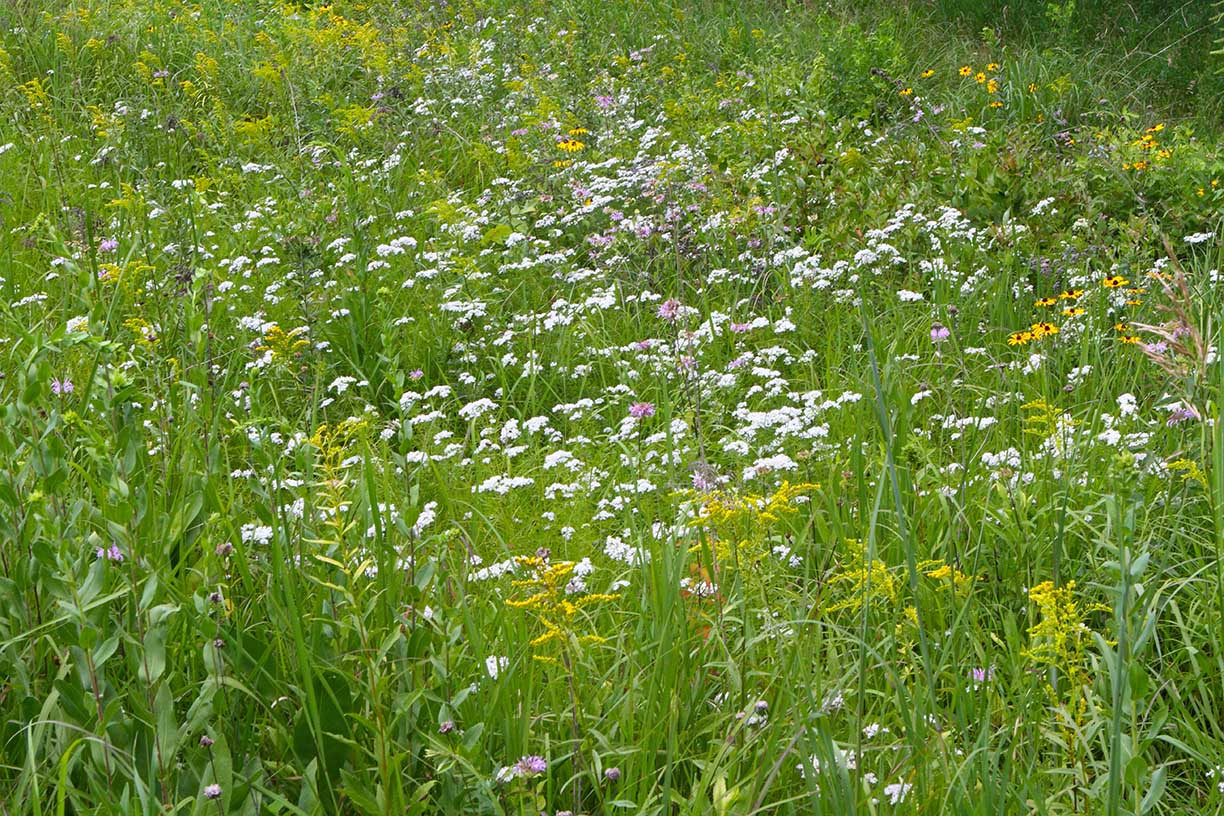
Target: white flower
{"x":897,"y":792}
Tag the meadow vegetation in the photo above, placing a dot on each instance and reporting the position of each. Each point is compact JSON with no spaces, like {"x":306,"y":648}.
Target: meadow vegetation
{"x":588,"y":407}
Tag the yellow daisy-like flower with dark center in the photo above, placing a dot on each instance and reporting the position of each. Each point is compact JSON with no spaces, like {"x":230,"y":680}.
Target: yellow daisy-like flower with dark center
{"x":1134,"y":302}
{"x":992,"y":86}
{"x":992,"y":67}
{"x":1071,"y":294}
{"x":1074,"y":310}
{"x":578,"y":131}
{"x":570,"y":145}
{"x":1019,"y":338}
{"x":906,"y":91}
{"x":1121,"y":327}
{"x":1136,"y":290}
{"x":979,"y":78}
{"x":928,"y":73}
{"x":965,"y":70}
{"x":996,"y":104}
{"x":1115,"y":282}
{"x":1045,"y":301}
{"x":1129,"y":339}
{"x":1043,"y":329}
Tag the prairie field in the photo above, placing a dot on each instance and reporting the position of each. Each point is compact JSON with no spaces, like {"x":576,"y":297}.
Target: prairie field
{"x":639,"y":407}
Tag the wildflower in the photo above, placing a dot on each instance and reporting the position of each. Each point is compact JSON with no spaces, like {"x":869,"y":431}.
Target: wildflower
{"x":446,"y":726}
{"x":1043,"y":330}
{"x":529,"y":766}
{"x":992,"y":86}
{"x":416,"y":374}
{"x":570,"y":145}
{"x":604,"y":101}
{"x":206,"y":741}
{"x":108,"y":245}
{"x":897,"y":792}
{"x":906,"y":92}
{"x":992,"y":67}
{"x":212,"y":791}
{"x":939,"y":333}
{"x":981,"y":677}
{"x":1129,"y":339}
{"x":63,"y":386}
{"x":1074,"y":311}
{"x":612,"y":774}
{"x":669,"y":309}
{"x":1045,"y":301}
{"x":1114,"y":282}
{"x":996,"y":104}
{"x":965,"y":70}
{"x":112,"y":553}
{"x":979,"y":78}
{"x":1032,"y":88}
{"x":641,"y":410}
{"x":928,"y":73}
{"x":1121,"y":327}
{"x":1019,"y":338}
{"x":578,"y":131}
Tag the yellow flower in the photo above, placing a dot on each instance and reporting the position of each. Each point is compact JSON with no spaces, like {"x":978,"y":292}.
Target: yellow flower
{"x":1019,"y":338}
{"x":1040,"y":330}
{"x":965,"y":70}
{"x":1129,"y":339}
{"x":1032,"y":87}
{"x":906,"y":91}
{"x":992,"y":67}
{"x":1115,"y":282}
{"x":992,"y":86}
{"x":1075,"y":310}
{"x":928,"y":73}
{"x":570,"y":145}
{"x":1071,"y":294}
{"x":1045,"y":301}
{"x":979,"y":78}
{"x":996,"y":104}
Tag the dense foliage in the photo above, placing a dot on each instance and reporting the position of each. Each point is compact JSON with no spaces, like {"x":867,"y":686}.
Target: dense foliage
{"x":594,"y":407}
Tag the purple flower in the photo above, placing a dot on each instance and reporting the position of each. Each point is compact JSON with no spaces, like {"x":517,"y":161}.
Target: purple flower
{"x":641,"y":410}
{"x":939,"y":333}
{"x":740,"y":328}
{"x":63,"y":386}
{"x":212,"y":791}
{"x":112,"y":553}
{"x":1181,"y":415}
{"x":604,"y":101}
{"x":206,"y":741}
{"x":981,"y":677}
{"x":519,"y":132}
{"x":108,"y":245}
{"x":446,"y":727}
{"x":612,"y":774}
{"x":669,"y":309}
{"x":416,"y":375}
{"x":529,"y":766}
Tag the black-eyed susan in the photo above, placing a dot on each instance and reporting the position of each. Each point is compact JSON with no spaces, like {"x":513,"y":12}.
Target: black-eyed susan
{"x":1071,"y":294}
{"x":570,"y":145}
{"x":906,"y":91}
{"x":1129,"y":339}
{"x":1114,"y":282}
{"x":1136,"y":290}
{"x":979,"y":78}
{"x":965,"y":70}
{"x":1074,"y":311}
{"x":928,"y":73}
{"x":559,"y":163}
{"x":992,"y":67}
{"x":1135,"y":302}
{"x":578,"y":131}
{"x":992,"y":86}
{"x":1121,"y":327}
{"x":1045,"y":301}
{"x":1019,"y":338}
{"x":996,"y":104}
{"x":1043,"y":329}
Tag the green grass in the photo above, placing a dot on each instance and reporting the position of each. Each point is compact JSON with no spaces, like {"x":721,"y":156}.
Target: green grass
{"x":367,"y":452}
